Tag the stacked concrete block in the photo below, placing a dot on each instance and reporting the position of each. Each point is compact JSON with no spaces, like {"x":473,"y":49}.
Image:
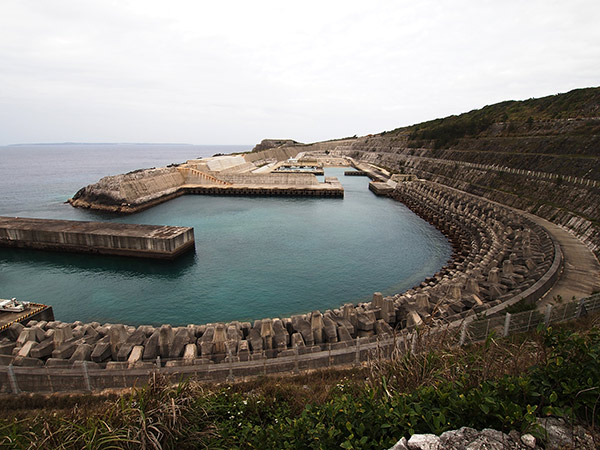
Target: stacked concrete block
{"x":102,"y":350}
{"x":206,"y":341}
{"x":281,"y":336}
{"x":190,"y":353}
{"x":303,"y":326}
{"x":219,"y":339}
{"x":317,"y":326}
{"x":255,"y":340}
{"x":165,"y":338}
{"x":243,"y":351}
{"x":181,"y":338}
{"x":365,"y":321}
{"x":151,"y":348}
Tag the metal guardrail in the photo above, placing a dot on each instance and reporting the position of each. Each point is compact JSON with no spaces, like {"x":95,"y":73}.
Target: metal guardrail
{"x":84,"y":378}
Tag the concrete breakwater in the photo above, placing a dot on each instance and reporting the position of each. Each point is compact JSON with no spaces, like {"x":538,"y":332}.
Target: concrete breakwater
{"x":222,"y":175}
{"x":499,"y":258}
{"x":149,"y":241}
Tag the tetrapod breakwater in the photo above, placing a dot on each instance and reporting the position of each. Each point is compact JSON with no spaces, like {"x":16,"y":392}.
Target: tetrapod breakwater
{"x":500,"y":258}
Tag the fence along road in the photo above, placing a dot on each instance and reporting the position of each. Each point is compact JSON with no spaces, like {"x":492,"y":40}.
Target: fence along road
{"x":15,"y":380}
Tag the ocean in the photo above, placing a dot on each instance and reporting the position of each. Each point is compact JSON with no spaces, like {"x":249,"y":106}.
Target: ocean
{"x":255,"y":257}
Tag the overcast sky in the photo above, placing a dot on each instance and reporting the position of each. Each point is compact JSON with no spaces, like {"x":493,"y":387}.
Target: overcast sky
{"x":235,"y":72}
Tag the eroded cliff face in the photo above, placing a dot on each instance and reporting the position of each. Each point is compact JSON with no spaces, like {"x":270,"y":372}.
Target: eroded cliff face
{"x":121,"y":193}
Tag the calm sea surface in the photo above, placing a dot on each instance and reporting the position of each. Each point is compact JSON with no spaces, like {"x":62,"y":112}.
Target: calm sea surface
{"x":255,"y":257}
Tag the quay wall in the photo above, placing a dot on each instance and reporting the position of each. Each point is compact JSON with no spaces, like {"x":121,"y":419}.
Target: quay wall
{"x":281,"y":179}
{"x":151,"y":241}
{"x":36,"y":312}
{"x":267,"y":191}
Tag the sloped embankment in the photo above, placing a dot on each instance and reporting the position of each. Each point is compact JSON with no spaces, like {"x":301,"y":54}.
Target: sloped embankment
{"x":541,"y":155}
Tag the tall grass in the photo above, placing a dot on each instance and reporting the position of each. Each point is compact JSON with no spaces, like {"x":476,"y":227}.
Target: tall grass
{"x":425,"y":385}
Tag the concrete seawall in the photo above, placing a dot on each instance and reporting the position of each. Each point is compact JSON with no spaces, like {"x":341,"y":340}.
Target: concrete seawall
{"x":500,"y":257}
{"x":148,"y":241}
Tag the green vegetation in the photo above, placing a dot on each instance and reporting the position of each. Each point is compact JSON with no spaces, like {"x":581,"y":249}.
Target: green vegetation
{"x":576,"y":104}
{"x":521,"y":306}
{"x":504,"y":384}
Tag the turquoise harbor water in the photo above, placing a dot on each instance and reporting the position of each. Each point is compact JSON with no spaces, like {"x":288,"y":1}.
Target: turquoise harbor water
{"x":255,"y":257}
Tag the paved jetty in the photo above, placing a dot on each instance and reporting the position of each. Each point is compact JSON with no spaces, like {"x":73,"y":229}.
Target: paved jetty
{"x":35,"y":311}
{"x":149,"y":241}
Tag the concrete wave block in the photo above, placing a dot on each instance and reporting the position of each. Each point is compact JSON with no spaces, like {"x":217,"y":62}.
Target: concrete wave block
{"x":255,"y":340}
{"x":25,"y":361}
{"x":151,"y":346}
{"x":102,"y":351}
{"x":219,"y":339}
{"x":137,"y":352}
{"x":303,"y":327}
{"x":282,"y":337}
{"x":57,"y":363}
{"x":26,"y":348}
{"x":267,"y":333}
{"x":165,"y":339}
{"x":180,"y":340}
{"x":62,"y":333}
{"x":118,"y":335}
{"x":14,"y":331}
{"x":413,"y":319}
{"x":243,"y":350}
{"x":365,"y":321}
{"x":190,"y":353}
{"x":316,"y":324}
{"x":43,"y":350}
{"x":34,"y":334}
{"x":83,"y":352}
{"x":206,"y":341}
{"x":330,"y":329}
{"x":297,"y":340}
{"x":7,"y":347}
{"x":137,"y":337}
{"x":64,"y":350}
{"x":344,"y":335}
{"x":124,"y":351}
{"x":383,"y":328}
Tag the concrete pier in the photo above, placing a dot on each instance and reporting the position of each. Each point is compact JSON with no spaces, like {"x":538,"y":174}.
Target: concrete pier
{"x":148,"y":241}
{"x":35,"y":311}
{"x":331,"y":189}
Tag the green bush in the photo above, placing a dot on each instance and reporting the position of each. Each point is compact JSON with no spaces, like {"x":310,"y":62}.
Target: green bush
{"x":461,"y":387}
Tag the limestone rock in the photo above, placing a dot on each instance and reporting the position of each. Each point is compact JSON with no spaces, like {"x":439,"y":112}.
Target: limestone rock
{"x":424,"y":442}
{"x":560,"y":435}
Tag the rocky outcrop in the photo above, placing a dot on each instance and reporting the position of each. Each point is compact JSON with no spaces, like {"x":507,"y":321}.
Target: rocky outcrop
{"x":556,"y":435}
{"x":130,"y":191}
{"x":267,"y":144}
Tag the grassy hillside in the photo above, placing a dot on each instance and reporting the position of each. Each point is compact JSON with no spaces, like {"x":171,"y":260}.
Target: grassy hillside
{"x":516,"y":118}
